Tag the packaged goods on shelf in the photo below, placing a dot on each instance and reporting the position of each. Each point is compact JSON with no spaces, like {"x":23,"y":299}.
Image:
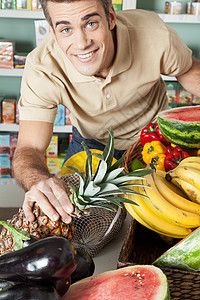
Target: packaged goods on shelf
{"x":52,"y":150}
{"x":195,"y":8}
{"x":24,"y":4}
{"x":5,"y":166}
{"x":117,"y":4}
{"x":13,"y":144}
{"x":60,"y":116}
{"x":172,"y":93}
{"x":173,"y":7}
{"x":20,"y":60}
{"x":183,"y":96}
{"x":7,"y":54}
{"x":41,"y":30}
{"x":70,"y":138}
{"x":36,"y":5}
{"x":8,"y":111}
{"x":8,"y":143}
{"x":4,"y":144}
{"x":9,"y":4}
{"x":67,"y":117}
{"x":196,"y":99}
{"x":16,"y":113}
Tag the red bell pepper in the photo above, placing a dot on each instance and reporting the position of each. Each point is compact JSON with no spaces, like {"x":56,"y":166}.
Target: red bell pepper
{"x":174,"y":155}
{"x":152,"y":133}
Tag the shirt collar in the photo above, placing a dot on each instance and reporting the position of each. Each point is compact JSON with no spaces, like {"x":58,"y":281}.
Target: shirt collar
{"x":122,"y":59}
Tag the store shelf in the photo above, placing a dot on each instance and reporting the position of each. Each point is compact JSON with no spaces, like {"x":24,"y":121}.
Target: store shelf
{"x":25,"y":14}
{"x":15,"y":128}
{"x":11,"y":72}
{"x":168,"y":78}
{"x":182,"y":18}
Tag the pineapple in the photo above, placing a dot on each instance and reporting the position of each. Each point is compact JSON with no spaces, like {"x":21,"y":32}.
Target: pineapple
{"x":106,"y":187}
{"x":103,"y":189}
{"x":42,"y":227}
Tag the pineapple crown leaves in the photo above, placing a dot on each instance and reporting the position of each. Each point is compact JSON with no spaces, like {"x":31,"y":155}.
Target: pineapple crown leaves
{"x":99,"y":189}
{"x":18,"y":235}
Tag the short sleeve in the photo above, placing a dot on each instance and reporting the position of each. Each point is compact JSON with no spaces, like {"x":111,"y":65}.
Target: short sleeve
{"x":39,"y":95}
{"x":178,"y":58}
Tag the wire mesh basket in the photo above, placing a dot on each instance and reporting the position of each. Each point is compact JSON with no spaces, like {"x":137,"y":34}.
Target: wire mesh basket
{"x":96,"y":229}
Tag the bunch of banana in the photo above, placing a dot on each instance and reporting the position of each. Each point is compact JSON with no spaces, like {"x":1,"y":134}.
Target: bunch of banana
{"x":164,"y":209}
{"x":186,"y":176}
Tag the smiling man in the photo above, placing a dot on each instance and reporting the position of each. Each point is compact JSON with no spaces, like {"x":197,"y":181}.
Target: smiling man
{"x":105,"y":68}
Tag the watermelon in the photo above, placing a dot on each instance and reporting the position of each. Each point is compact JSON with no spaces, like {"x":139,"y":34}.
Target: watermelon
{"x":181,"y":126}
{"x":134,"y":282}
{"x":185,"y":255}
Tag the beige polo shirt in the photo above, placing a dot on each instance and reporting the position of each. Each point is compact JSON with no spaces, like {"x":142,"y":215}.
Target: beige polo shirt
{"x":130,"y":96}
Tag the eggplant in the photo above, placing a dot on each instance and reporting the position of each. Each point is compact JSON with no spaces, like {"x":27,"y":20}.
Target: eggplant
{"x":85,"y":266}
{"x":24,"y":291}
{"x":62,"y":285}
{"x":29,"y":242}
{"x":4,"y":284}
{"x":43,"y":261}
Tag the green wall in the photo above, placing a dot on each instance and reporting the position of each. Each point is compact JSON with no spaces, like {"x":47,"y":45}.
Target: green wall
{"x":22,"y":31}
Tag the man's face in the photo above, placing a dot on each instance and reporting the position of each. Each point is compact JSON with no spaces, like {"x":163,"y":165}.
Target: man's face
{"x":82,"y":31}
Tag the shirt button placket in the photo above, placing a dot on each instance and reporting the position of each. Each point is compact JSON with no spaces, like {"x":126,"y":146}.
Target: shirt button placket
{"x":108,"y":95}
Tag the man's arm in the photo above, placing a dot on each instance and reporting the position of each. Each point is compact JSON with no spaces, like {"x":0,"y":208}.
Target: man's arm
{"x":33,"y":175}
{"x":191,"y":79}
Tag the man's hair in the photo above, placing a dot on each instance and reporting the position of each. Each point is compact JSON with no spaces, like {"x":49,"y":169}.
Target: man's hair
{"x":105,"y":3}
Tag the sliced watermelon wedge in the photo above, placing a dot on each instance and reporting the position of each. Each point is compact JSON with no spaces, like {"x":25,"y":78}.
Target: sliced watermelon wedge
{"x":185,"y":255}
{"x":139,"y":282}
{"x":181,"y":126}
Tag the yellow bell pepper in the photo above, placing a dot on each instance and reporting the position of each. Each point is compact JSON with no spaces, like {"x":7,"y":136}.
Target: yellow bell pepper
{"x":151,"y":150}
{"x":158,"y":162}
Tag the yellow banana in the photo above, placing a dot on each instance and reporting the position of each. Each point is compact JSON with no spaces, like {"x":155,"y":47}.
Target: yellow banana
{"x":166,"y":210}
{"x":132,"y":211}
{"x":174,"y":195}
{"x":191,"y":191}
{"x":153,"y":221}
{"x":191,"y":164}
{"x":190,"y":159}
{"x":187,"y":174}
{"x":161,"y":173}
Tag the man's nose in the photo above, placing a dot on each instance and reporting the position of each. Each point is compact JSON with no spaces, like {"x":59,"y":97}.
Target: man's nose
{"x":82,"y":40}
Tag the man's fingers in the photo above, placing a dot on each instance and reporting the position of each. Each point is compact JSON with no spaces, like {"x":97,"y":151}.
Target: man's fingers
{"x":52,"y":199}
{"x":27,"y":207}
{"x":61,"y":195}
{"x":35,"y":195}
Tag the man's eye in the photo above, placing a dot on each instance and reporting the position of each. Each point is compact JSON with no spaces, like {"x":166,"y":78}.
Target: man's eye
{"x":91,"y":24}
{"x":66,"y":30}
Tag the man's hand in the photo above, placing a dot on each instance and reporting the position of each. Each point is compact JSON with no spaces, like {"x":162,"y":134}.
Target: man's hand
{"x":51,"y":197}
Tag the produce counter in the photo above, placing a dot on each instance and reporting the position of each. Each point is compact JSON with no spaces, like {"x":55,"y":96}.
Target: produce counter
{"x":107,"y":258}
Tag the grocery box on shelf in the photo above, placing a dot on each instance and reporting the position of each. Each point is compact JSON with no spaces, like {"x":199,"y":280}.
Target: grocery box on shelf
{"x":20,"y":60}
{"x":60,"y":116}
{"x":52,"y":150}
{"x":36,"y":5}
{"x":8,"y":111}
{"x":143,"y":246}
{"x":8,"y":4}
{"x":5,"y":166}
{"x":24,"y":4}
{"x":7,"y":49}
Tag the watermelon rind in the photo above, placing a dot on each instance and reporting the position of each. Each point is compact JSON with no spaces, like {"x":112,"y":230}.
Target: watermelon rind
{"x":181,"y":133}
{"x":185,"y":255}
{"x":130,"y":283}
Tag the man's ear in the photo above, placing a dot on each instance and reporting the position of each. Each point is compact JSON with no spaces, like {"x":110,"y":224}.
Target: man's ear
{"x":52,"y":31}
{"x":112,"y":18}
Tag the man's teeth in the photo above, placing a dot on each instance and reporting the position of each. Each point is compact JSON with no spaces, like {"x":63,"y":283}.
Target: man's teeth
{"x":85,"y":55}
